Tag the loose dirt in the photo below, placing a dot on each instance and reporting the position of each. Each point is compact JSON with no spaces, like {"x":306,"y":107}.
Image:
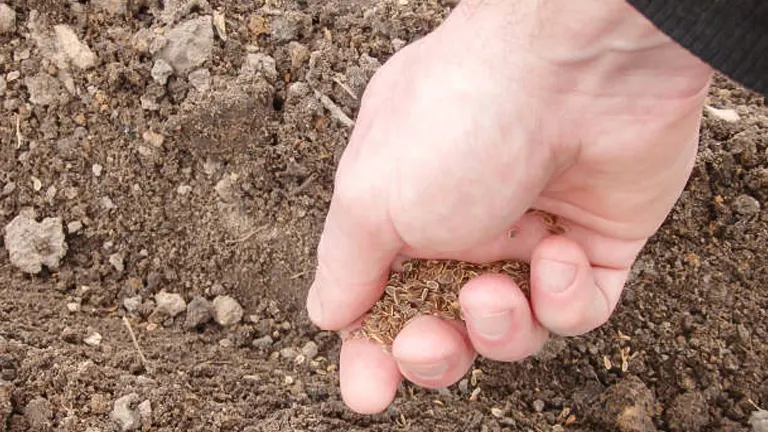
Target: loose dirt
{"x":215,"y":182}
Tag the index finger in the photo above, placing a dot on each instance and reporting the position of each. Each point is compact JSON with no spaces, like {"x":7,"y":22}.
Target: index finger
{"x":354,"y":256}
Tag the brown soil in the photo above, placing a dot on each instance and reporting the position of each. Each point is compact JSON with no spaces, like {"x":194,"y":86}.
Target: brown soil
{"x":232,"y":202}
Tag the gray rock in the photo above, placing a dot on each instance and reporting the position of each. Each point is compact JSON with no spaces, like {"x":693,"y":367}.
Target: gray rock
{"x":226,"y":310}
{"x":189,"y":44}
{"x":126,"y":416}
{"x":309,"y":350}
{"x":44,"y":90}
{"x":746,"y":205}
{"x":112,"y":7}
{"x":132,"y":304}
{"x":39,"y":414}
{"x":145,"y":412}
{"x":169,"y":304}
{"x":299,"y":54}
{"x":118,"y":262}
{"x":33,"y":244}
{"x":200,"y":80}
{"x":759,"y":421}
{"x":74,"y":227}
{"x":199,"y":312}
{"x":288,"y":27}
{"x":263,"y":342}
{"x":3,"y":85}
{"x":79,"y":54}
{"x":161,"y":71}
{"x":259,"y":63}
{"x":289,"y":353}
{"x":7,"y":19}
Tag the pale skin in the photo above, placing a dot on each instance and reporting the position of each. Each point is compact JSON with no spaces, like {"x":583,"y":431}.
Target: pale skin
{"x":578,"y":108}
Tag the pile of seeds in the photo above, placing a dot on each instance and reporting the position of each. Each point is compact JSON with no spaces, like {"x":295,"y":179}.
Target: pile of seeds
{"x":431,"y":287}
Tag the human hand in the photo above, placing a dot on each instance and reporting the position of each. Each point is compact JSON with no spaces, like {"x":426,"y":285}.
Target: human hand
{"x":507,"y":106}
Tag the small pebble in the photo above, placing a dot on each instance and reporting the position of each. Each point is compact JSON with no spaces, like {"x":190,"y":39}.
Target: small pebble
{"x":759,"y":421}
{"x":153,"y":138}
{"x":39,"y":413}
{"x":538,"y":405}
{"x":200,"y":80}
{"x":183,"y":189}
{"x":226,"y":343}
{"x":199,"y":312}
{"x":161,"y":71}
{"x":145,"y":412}
{"x":132,"y":304}
{"x":94,"y":339}
{"x":727,"y":114}
{"x":73,"y":307}
{"x":288,"y":353}
{"x":309,"y":350}
{"x":97,"y":169}
{"x":169,"y":304}
{"x":117,"y":261}
{"x":263,"y":342}
{"x":7,"y":19}
{"x":124,"y":414}
{"x":226,"y":310}
{"x":746,"y":205}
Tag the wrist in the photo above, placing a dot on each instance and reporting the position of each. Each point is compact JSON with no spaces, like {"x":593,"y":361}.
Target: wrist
{"x":586,"y":46}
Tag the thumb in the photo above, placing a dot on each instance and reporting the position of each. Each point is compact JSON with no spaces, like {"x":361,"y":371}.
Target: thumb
{"x":354,"y":258}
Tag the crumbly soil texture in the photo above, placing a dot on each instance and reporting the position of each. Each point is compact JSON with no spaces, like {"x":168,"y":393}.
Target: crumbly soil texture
{"x":188,"y":147}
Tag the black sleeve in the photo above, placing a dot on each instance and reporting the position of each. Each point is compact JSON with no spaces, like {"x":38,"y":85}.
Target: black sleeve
{"x":730,"y":35}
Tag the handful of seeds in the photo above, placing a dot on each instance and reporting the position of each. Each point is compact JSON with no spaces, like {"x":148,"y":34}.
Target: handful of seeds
{"x":431,"y":287}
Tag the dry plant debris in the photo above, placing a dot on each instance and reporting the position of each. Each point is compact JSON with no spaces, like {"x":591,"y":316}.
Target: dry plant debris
{"x":431,"y":287}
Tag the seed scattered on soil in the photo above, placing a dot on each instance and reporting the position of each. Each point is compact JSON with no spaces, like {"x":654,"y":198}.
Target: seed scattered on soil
{"x":32,"y":245}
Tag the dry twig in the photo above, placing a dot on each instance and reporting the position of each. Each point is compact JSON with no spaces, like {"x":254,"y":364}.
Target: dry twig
{"x":143,"y":359}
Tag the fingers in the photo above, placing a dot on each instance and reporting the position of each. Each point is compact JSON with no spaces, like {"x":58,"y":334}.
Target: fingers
{"x":355,"y":253}
{"x":433,"y":353}
{"x":568,"y":295}
{"x":368,"y":376}
{"x":499,"y":319}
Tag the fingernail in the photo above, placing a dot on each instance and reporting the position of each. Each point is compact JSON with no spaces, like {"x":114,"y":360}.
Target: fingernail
{"x":492,"y":326}
{"x":556,"y":276}
{"x":425,"y":371}
{"x":314,"y":305}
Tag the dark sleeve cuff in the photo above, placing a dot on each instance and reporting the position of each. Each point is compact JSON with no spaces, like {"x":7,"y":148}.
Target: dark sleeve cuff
{"x":731,"y":36}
